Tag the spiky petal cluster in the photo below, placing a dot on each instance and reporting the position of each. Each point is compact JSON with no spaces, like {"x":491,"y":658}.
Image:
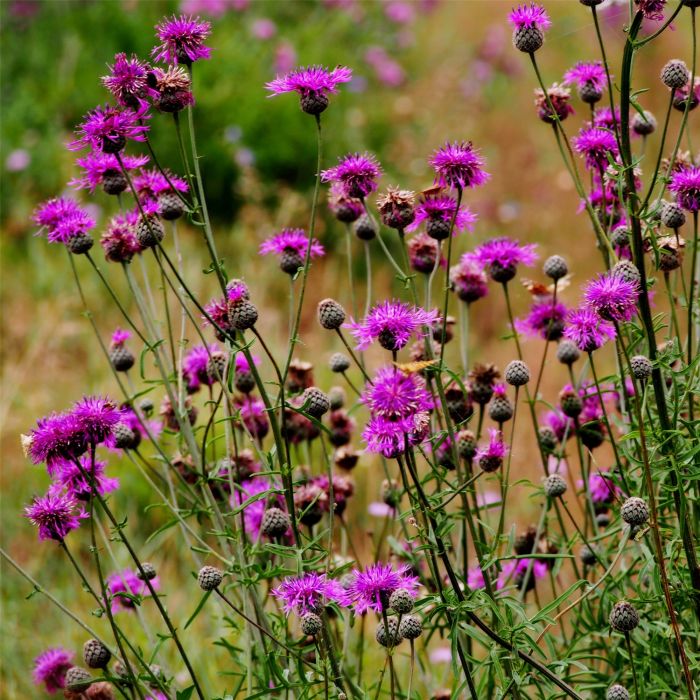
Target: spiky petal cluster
{"x":128,"y":81}
{"x":503,"y":254}
{"x":587,"y":329}
{"x":357,"y":173}
{"x":251,"y":497}
{"x":291,"y":240}
{"x":109,"y":128}
{"x":597,"y":145}
{"x":96,"y":165}
{"x":194,"y":366}
{"x":651,"y":9}
{"x":124,"y":586}
{"x":62,"y":219}
{"x":555,"y":102}
{"x":469,"y":280}
{"x":50,"y":668}
{"x":56,"y":438}
{"x":602,"y":488}
{"x":612,"y":297}
{"x":496,"y":448}
{"x":150,"y":184}
{"x":392,"y":323}
{"x":531,"y":15}
{"x":96,"y":416}
{"x":442,"y":208}
{"x":396,"y":395}
{"x":119,"y":240}
{"x":390,"y":437}
{"x":370,"y":589}
{"x":310,"y":80}
{"x":55,"y":514}
{"x":546,"y":320}
{"x":182,"y":40}
{"x":685,"y":184}
{"x":458,"y":165}
{"x":587,"y":73}
{"x":77,"y":479}
{"x":309,"y":592}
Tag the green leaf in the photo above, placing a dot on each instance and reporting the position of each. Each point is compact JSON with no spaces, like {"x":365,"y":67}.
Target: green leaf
{"x":197,"y":609}
{"x":553,"y":605}
{"x":185,"y":694}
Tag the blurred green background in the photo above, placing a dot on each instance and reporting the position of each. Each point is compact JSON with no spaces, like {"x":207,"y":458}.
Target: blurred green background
{"x":424,"y":71}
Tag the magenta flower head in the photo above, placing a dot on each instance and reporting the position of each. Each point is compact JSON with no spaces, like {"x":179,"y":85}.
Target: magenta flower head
{"x":56,"y":438}
{"x":151,"y":184}
{"x":545,"y":320}
{"x":602,"y":488}
{"x":173,"y":88}
{"x":612,"y":297}
{"x":424,"y":253}
{"x":182,"y":40}
{"x":468,"y":280}
{"x":652,"y":9}
{"x":597,"y":145}
{"x":501,"y":257}
{"x":103,"y":169}
{"x":587,"y":329}
{"x":194,"y":367}
{"x":371,"y":589}
{"x":55,"y":514}
{"x":126,"y":588}
{"x":345,"y":209}
{"x":554,"y":104}
{"x":357,"y":173}
{"x":438,"y":213}
{"x":313,"y":83}
{"x":475,"y":578}
{"x":396,"y":395}
{"x":589,"y":79}
{"x":390,"y":437}
{"x":128,"y":82}
{"x":685,"y":184}
{"x":458,"y":165}
{"x":392,"y":323}
{"x":119,"y":240}
{"x":529,"y":24}
{"x":251,"y":497}
{"x":516,"y":570}
{"x":253,"y":414}
{"x":217,"y":311}
{"x":490,"y":456}
{"x":96,"y":416}
{"x":291,"y":245}
{"x":310,"y":592}
{"x":107,"y":129}
{"x":50,"y":668}
{"x":77,"y":480}
{"x":63,"y":220}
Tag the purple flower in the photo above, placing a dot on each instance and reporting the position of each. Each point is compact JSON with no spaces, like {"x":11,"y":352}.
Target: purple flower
{"x":183,"y":40}
{"x":98,"y":166}
{"x":256,"y":490}
{"x":469,"y":280}
{"x":517,"y":568}
{"x":291,"y":240}
{"x":124,"y":586}
{"x":50,"y":668}
{"x":587,"y":74}
{"x":490,"y":456}
{"x":587,"y":329}
{"x":346,"y":209}
{"x":530,"y":16}
{"x":545,"y":320}
{"x":96,"y":416}
{"x":217,"y":311}
{"x":242,"y":364}
{"x":357,"y":173}
{"x":63,"y":219}
{"x":685,"y":184}
{"x":310,"y":592}
{"x":604,"y":118}
{"x":55,"y":514}
{"x":475,"y":578}
{"x":560,"y":424}
{"x":389,"y":437}
{"x":77,"y":480}
{"x":151,"y":184}
{"x":173,"y":89}
{"x":392,"y":323}
{"x":559,"y":98}
{"x":458,"y":165}
{"x":119,"y":337}
{"x":56,"y":438}
{"x":313,"y":83}
{"x":119,"y":240}
{"x":128,"y":81}
{"x":652,"y":9}
{"x":370,"y":589}
{"x":612,"y":297}
{"x":424,"y":252}
{"x":602,"y":488}
{"x":108,"y":129}
{"x":501,"y":256}
{"x":439,"y":211}
{"x":253,"y":414}
{"x":394,"y":394}
{"x":596,"y":144}
{"x":194,"y":367}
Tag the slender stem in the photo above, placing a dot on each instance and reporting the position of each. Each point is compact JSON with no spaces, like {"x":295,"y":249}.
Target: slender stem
{"x":628,"y":643}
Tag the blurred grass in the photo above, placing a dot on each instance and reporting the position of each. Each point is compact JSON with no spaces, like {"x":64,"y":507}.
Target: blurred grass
{"x":51,"y":62}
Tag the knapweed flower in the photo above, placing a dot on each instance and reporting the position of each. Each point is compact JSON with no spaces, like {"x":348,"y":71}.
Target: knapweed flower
{"x":686,"y":97}
{"x":394,"y":394}
{"x":423,"y":253}
{"x":546,"y":320}
{"x":128,"y":81}
{"x":126,"y":588}
{"x":501,"y":257}
{"x":77,"y":480}
{"x":605,"y":118}
{"x":371,"y":589}
{"x":107,"y":129}
{"x":475,"y":578}
{"x":529,"y":23}
{"x":589,"y":78}
{"x":251,"y":497}
{"x":56,"y":438}
{"x":310,"y":592}
{"x":392,"y":323}
{"x":357,"y":173}
{"x":344,"y":208}
{"x":217,"y":311}
{"x":597,"y":145}
{"x":437,"y":212}
{"x":559,"y":97}
{"x":182,"y":40}
{"x":390,"y":437}
{"x":458,"y":165}
{"x":587,"y":329}
{"x":96,"y":416}
{"x":194,"y":367}
{"x":397,"y":207}
{"x":468,"y":280}
{"x":612,"y":297}
{"x":685,"y":184}
{"x":602,"y":488}
{"x":253,"y":414}
{"x":515,"y":570}
{"x":50,"y":668}
{"x":173,"y":88}
{"x":291,"y":244}
{"x":63,"y":219}
{"x":313,"y":83}
{"x":490,"y":456}
{"x":119,"y":240}
{"x":651,"y":9}
{"x":55,"y":514}
{"x":337,"y":490}
{"x":103,"y":169}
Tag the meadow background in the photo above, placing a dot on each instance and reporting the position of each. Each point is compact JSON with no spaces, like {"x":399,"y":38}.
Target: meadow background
{"x":425,"y":72}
